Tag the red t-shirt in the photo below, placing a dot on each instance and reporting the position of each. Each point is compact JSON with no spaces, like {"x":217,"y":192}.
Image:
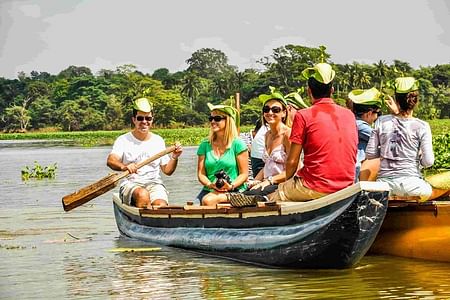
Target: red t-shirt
{"x":329,"y":138}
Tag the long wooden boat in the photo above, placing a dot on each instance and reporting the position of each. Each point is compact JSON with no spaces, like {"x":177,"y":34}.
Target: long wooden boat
{"x":415,"y":230}
{"x":334,"y":231}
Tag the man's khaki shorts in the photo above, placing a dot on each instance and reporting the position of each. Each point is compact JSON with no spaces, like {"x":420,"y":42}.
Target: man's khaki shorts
{"x":294,"y":190}
{"x":156,"y":191}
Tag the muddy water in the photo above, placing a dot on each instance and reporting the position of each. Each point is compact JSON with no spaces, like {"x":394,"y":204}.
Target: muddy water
{"x":47,"y":253}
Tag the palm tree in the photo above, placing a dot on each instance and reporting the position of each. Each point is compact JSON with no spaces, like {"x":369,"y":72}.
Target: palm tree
{"x":191,"y":88}
{"x":380,"y":71}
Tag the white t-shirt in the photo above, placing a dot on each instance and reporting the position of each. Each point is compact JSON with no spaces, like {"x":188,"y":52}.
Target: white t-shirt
{"x":132,"y":150}
{"x":258,"y":142}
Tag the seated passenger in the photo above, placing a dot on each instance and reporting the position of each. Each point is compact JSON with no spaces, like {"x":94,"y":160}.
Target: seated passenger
{"x":223,"y":151}
{"x":404,"y":145}
{"x":144,"y":186}
{"x":277,"y":144}
{"x":327,"y":134}
{"x":366,"y":106}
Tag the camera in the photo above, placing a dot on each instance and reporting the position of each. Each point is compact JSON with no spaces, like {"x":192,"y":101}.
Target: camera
{"x":222,"y":176}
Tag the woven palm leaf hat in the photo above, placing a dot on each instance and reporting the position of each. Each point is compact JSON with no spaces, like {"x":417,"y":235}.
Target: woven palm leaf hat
{"x":366,"y":97}
{"x":295,"y":100}
{"x":274,"y":95}
{"x":403,"y":85}
{"x":322,"y":72}
{"x":226,"y":109}
{"x":143,"y":104}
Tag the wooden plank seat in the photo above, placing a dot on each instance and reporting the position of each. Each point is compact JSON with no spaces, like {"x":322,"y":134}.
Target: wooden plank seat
{"x":223,"y":208}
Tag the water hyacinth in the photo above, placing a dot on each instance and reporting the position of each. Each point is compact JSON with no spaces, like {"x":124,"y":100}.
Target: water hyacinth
{"x":39,"y":172}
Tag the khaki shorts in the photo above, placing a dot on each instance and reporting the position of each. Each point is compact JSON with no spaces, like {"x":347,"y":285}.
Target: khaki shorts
{"x":156,"y":191}
{"x":294,"y":190}
{"x":409,"y":186}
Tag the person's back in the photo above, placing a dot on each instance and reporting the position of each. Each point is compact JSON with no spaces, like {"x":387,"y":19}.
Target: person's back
{"x":328,"y":135}
{"x":404,"y":145}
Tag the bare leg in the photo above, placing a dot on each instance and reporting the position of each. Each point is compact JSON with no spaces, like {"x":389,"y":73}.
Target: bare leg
{"x":159,"y":202}
{"x":212,"y":199}
{"x":141,"y":197}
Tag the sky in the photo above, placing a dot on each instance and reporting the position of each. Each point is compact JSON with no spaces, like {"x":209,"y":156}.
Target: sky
{"x":51,"y":35}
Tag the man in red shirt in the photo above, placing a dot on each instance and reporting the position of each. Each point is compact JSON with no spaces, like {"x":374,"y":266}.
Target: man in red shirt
{"x":327,"y":134}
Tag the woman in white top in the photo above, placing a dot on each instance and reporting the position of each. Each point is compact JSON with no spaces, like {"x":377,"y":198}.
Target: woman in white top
{"x":404,"y":145}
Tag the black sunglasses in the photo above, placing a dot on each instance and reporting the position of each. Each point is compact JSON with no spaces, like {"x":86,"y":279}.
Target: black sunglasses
{"x":378,"y":112}
{"x":216,"y":118}
{"x":274,"y":109}
{"x":147,"y":118}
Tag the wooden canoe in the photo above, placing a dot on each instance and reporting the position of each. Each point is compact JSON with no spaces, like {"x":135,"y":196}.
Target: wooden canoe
{"x":415,"y":230}
{"x":334,"y":231}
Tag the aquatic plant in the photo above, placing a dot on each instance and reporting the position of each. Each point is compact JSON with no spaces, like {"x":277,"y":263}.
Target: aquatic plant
{"x":39,"y":172}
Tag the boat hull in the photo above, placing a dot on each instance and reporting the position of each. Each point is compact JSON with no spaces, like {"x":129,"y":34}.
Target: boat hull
{"x":331,"y":232}
{"x":416,"y":231}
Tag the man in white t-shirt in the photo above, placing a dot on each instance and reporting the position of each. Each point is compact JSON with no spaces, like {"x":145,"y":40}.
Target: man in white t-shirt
{"x":143,"y":187}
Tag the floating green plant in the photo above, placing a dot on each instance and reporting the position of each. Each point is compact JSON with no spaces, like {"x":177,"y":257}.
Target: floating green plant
{"x":39,"y":172}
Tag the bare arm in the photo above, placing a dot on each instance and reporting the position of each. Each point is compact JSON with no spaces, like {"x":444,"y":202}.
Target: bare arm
{"x":115,"y":163}
{"x":170,"y":167}
{"x":201,"y":173}
{"x":293,"y":159}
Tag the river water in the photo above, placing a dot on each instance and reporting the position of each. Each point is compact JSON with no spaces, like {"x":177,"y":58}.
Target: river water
{"x":47,"y":253}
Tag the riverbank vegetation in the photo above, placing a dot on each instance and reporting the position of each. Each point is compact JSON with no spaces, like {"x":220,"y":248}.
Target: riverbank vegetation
{"x":75,"y":99}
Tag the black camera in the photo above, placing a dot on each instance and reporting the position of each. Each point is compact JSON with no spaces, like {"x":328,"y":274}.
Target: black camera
{"x":222,"y":176}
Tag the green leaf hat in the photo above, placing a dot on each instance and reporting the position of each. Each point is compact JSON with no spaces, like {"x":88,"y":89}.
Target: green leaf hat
{"x":226,"y":109}
{"x":366,"y":97}
{"x":403,"y":85}
{"x":143,"y":104}
{"x":295,"y":99}
{"x":322,"y":72}
{"x":274,"y":95}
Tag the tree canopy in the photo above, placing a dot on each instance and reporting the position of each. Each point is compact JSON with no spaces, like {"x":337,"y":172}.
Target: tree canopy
{"x":77,"y":99}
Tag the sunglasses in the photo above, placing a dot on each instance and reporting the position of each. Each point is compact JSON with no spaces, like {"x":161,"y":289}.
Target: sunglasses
{"x":274,"y":109}
{"x":216,"y":118}
{"x":378,"y":112}
{"x":141,"y":118}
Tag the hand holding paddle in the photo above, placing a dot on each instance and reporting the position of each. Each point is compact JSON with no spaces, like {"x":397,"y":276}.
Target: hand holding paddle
{"x":105,"y":184}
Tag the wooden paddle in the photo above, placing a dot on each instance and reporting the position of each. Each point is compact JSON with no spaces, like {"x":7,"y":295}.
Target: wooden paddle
{"x":105,"y":184}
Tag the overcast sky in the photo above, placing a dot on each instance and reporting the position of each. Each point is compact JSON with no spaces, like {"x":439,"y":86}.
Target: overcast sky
{"x":50,"y":35}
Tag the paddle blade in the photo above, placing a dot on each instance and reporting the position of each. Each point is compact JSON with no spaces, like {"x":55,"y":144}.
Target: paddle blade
{"x":89,"y":192}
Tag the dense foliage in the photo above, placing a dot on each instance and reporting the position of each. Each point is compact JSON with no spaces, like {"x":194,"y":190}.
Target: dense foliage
{"x":75,"y":99}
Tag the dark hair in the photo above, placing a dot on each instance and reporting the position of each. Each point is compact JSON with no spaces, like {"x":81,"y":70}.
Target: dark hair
{"x":407,"y":101}
{"x":258,"y":124}
{"x":360,"y":109}
{"x":319,"y":89}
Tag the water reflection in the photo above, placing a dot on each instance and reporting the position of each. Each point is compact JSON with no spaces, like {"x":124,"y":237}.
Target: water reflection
{"x":36,"y":248}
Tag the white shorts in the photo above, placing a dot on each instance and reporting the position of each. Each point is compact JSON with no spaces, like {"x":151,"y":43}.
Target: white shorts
{"x":156,"y":191}
{"x":409,"y":186}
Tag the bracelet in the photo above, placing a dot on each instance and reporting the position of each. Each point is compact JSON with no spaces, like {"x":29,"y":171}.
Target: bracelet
{"x":270,"y":179}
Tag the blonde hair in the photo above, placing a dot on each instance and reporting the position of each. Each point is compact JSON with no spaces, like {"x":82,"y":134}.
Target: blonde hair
{"x":230,"y":130}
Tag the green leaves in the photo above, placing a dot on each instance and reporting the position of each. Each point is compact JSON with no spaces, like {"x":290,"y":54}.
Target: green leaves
{"x":38,"y":172}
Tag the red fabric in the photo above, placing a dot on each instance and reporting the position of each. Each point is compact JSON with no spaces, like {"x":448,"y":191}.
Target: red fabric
{"x":329,"y":138}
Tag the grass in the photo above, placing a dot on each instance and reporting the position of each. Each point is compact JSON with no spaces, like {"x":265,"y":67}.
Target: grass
{"x":187,"y":136}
